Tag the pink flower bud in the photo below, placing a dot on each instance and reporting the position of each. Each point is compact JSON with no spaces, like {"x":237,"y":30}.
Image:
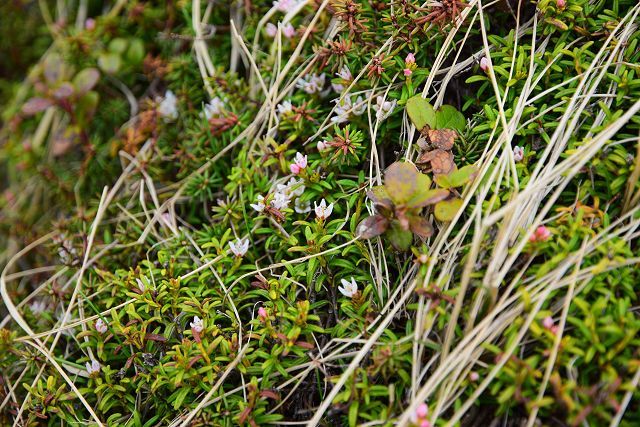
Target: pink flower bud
{"x":541,"y":234}
{"x":561,"y":4}
{"x":474,"y":376}
{"x":422,"y":410}
{"x":90,"y":24}
{"x":547,"y":322}
{"x":271,"y":30}
{"x":262,"y":314}
{"x":410,"y":59}
{"x":425,"y":423}
{"x":295,"y":169}
{"x":484,"y":64}
{"x":407,"y":72}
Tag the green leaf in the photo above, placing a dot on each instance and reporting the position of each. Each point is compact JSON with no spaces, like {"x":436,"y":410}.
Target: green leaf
{"x":457,"y":178}
{"x":400,"y":239}
{"x":109,"y":62}
{"x":427,"y":197}
{"x":421,"y":112}
{"x":85,"y":80}
{"x":447,"y":209}
{"x":400,"y":181}
{"x":448,"y":117}
{"x":135,"y":53}
{"x":118,"y":45}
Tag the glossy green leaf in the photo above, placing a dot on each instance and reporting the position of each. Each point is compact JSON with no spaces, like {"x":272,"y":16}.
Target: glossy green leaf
{"x":457,"y":178}
{"x":448,"y":117}
{"x":427,"y":197}
{"x":421,"y":112}
{"x":446,"y":210}
{"x":400,"y":239}
{"x":86,"y":80}
{"x":110,"y":63}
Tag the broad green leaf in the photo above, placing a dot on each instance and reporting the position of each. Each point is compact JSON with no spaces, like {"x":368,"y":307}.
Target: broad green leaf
{"x":400,"y":239}
{"x":427,"y":197}
{"x":379,"y":196}
{"x":85,"y":80}
{"x":135,"y":53}
{"x":447,"y":209}
{"x":118,"y":45}
{"x":109,"y":62}
{"x":421,"y":112}
{"x":448,"y":117}
{"x":457,"y":178}
{"x":400,"y":182}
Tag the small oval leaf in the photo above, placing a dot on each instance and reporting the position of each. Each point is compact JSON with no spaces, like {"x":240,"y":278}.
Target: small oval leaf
{"x":373,"y":226}
{"x":85,"y":80}
{"x":447,"y":209}
{"x":36,"y":105}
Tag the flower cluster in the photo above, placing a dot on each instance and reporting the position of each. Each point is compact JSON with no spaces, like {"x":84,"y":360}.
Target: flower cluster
{"x":384,"y":108}
{"x":541,"y":234}
{"x":419,"y":417}
{"x":288,"y":30}
{"x":214,"y":108}
{"x":344,"y":78}
{"x":312,"y":83}
{"x":409,"y":65}
{"x":346,"y":107}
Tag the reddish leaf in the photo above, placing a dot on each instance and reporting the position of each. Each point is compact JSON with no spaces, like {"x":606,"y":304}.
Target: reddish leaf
{"x":270,"y":394}
{"x":155,"y":337}
{"x":36,"y":105}
{"x":420,"y":226}
{"x":442,"y":138}
{"x":64,"y":91}
{"x":373,"y":226}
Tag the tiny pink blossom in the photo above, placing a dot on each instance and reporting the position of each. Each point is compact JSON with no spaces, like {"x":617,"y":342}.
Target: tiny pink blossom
{"x":90,"y":24}
{"x":547,"y":322}
{"x":262,"y":313}
{"x":271,"y":29}
{"x":410,"y":59}
{"x":541,"y":234}
{"x":299,"y":163}
{"x":422,"y":410}
{"x":322,"y":145}
{"x":474,"y":376}
{"x":561,"y":4}
{"x":407,"y":72}
{"x":425,"y":423}
{"x":101,"y":326}
{"x":288,"y":30}
{"x":484,"y":64}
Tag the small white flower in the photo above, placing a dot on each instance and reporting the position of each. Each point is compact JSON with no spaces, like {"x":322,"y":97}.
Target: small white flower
{"x":280,"y":201}
{"x":293,"y":188}
{"x":348,"y":289}
{"x":322,"y":210}
{"x":384,"y":108}
{"x":271,"y":30}
{"x":38,"y":307}
{"x":168,"y":108}
{"x":323,"y":145}
{"x":312,"y":83}
{"x":347,"y":107}
{"x":93,"y":367}
{"x":302,"y":206}
{"x":214,"y":108}
{"x":518,"y":153}
{"x":288,"y":31}
{"x":484,"y":64}
{"x":259,"y":207}
{"x":240,"y":247}
{"x":197,"y":324}
{"x":345,"y":73}
{"x":101,"y":326}
{"x":284,"y":108}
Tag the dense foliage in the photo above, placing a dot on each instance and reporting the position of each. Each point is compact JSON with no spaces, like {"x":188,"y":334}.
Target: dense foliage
{"x":345,"y":212}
